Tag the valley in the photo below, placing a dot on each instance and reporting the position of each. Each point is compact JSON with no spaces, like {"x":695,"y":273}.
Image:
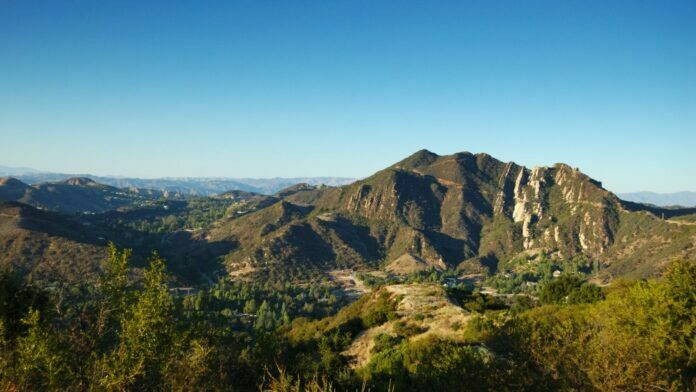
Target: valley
{"x":434,"y":271}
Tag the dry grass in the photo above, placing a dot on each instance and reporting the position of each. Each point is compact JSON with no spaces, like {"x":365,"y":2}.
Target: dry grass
{"x":422,"y":305}
{"x":407,"y":264}
{"x":350,"y":285}
{"x":243,"y":270}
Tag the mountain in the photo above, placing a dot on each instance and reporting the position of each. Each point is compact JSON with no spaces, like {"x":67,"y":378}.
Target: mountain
{"x":12,"y":188}
{"x":684,"y":199}
{"x":189,"y":186}
{"x":44,"y":245}
{"x":469,"y":212}
{"x":72,"y":195}
{"x":14,"y":171}
{"x":274,"y":185}
{"x":52,"y":247}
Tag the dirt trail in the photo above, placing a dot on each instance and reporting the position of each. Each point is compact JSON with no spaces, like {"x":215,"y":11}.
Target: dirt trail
{"x":680,"y":223}
{"x":346,"y":279}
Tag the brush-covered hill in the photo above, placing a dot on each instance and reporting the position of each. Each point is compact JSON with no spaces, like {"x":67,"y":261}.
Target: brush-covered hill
{"x":465,"y":211}
{"x":47,"y":246}
{"x":75,"y":195}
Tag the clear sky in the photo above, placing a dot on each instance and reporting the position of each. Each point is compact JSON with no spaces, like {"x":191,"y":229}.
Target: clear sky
{"x":345,"y":88}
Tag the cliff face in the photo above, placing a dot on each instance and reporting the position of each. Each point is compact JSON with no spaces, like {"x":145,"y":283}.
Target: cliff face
{"x":559,"y":208}
{"x":443,"y":211}
{"x":556,"y":208}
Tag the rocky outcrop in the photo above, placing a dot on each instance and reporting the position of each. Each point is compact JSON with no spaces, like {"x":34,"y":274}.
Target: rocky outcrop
{"x":80,"y":181}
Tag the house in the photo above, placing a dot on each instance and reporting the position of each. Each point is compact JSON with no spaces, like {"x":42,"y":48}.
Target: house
{"x":449,"y":282}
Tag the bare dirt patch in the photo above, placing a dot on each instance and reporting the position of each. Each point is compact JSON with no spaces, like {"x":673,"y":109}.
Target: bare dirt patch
{"x":242,"y":271}
{"x":425,"y":306}
{"x":349,"y":284}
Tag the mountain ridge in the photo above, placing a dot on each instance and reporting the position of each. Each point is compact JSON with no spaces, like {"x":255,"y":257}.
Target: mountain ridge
{"x":464,"y":212}
{"x":73,"y":195}
{"x":452,"y":211}
{"x":191,"y":186}
{"x":673,"y":199}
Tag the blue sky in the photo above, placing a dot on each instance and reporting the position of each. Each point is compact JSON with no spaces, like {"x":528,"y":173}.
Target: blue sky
{"x":345,"y":88}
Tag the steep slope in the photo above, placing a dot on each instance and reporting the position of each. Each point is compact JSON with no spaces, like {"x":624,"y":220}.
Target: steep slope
{"x":464,"y":210}
{"x":12,"y":188}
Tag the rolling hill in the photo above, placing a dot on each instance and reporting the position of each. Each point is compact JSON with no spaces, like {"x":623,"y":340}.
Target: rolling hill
{"x":47,"y":246}
{"x":188,"y":186}
{"x":75,"y":195}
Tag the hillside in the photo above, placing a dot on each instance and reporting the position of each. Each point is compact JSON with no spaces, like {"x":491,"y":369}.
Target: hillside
{"x":467,"y":213}
{"x":463,"y":211}
{"x":58,"y":246}
{"x":45,"y":246}
{"x":75,"y":195}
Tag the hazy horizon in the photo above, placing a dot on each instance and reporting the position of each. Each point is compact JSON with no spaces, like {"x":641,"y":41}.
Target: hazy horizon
{"x":261,"y":90}
{"x":636,"y":192}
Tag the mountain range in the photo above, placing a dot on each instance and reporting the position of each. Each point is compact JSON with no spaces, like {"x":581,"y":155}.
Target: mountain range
{"x":468,"y":213}
{"x":190,"y":186}
{"x":684,"y":199}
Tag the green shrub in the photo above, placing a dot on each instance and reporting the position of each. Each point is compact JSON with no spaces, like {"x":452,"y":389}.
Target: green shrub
{"x":384,"y":342}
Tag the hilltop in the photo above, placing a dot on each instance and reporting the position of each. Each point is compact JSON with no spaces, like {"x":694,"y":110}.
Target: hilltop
{"x":75,"y":195}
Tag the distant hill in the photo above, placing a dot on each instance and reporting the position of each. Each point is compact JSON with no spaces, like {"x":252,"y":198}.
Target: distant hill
{"x":191,"y":186}
{"x":6,"y":171}
{"x":78,"y":194}
{"x":684,"y":199}
{"x":469,"y":212}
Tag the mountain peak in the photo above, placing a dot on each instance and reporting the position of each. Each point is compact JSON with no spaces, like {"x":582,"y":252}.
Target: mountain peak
{"x":79,"y":181}
{"x":419,"y":158}
{"x":11,"y":181}
{"x":12,"y":188}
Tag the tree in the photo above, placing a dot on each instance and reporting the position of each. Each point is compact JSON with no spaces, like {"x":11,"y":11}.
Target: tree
{"x":41,"y":363}
{"x":16,"y":300}
{"x":250,"y":306}
{"x":114,"y":296}
{"x":569,"y":289}
{"x":147,"y":338}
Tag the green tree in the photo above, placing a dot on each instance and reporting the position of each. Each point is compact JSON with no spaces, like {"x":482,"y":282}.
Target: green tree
{"x":17,"y":298}
{"x":147,"y":339}
{"x":41,"y":363}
